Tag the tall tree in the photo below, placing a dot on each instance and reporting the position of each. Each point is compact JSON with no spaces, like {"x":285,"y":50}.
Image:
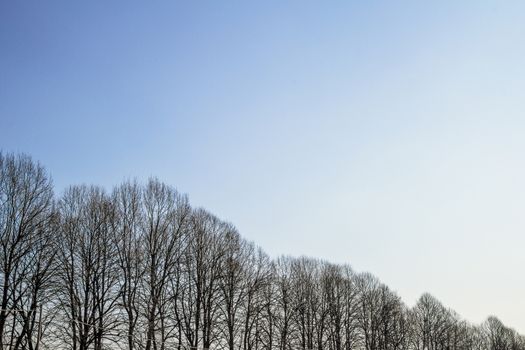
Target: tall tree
{"x":129,"y":245}
{"x":88,"y":268}
{"x":26,"y":201}
{"x":166,"y":219}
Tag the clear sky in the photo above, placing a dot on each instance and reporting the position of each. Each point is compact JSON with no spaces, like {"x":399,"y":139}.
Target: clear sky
{"x":386,"y":134}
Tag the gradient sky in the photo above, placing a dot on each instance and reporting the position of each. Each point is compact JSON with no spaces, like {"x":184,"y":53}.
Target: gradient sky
{"x":386,"y":134}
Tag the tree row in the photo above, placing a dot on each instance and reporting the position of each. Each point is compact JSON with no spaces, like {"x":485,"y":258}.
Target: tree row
{"x":138,"y":268}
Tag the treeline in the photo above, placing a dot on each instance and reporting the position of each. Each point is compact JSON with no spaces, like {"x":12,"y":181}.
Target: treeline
{"x":139,"y":268}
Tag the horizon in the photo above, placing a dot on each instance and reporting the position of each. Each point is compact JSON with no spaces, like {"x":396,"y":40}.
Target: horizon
{"x":385,"y":136}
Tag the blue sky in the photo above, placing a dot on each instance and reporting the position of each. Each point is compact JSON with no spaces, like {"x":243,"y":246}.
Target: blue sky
{"x":385,"y":134}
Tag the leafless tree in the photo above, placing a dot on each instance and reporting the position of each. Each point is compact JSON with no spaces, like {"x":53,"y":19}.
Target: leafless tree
{"x":500,"y":337}
{"x":87,"y":267}
{"x":257,"y":276}
{"x":234,"y":284}
{"x":165,"y":223}
{"x":129,"y":245}
{"x":26,"y":218}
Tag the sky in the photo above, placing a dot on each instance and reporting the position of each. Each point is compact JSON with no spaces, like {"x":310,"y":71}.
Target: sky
{"x":388,"y":135}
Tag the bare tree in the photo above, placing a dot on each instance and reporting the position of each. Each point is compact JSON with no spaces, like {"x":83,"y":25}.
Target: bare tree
{"x":500,"y":337}
{"x":257,"y":276}
{"x":284,"y":301}
{"x":304,"y":294}
{"x":234,"y":284}
{"x":88,"y":276}
{"x":26,"y":200}
{"x":128,"y":241}
{"x":166,"y":218}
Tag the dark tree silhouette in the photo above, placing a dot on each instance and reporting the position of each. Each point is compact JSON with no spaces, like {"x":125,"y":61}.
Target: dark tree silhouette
{"x":140,"y":269}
